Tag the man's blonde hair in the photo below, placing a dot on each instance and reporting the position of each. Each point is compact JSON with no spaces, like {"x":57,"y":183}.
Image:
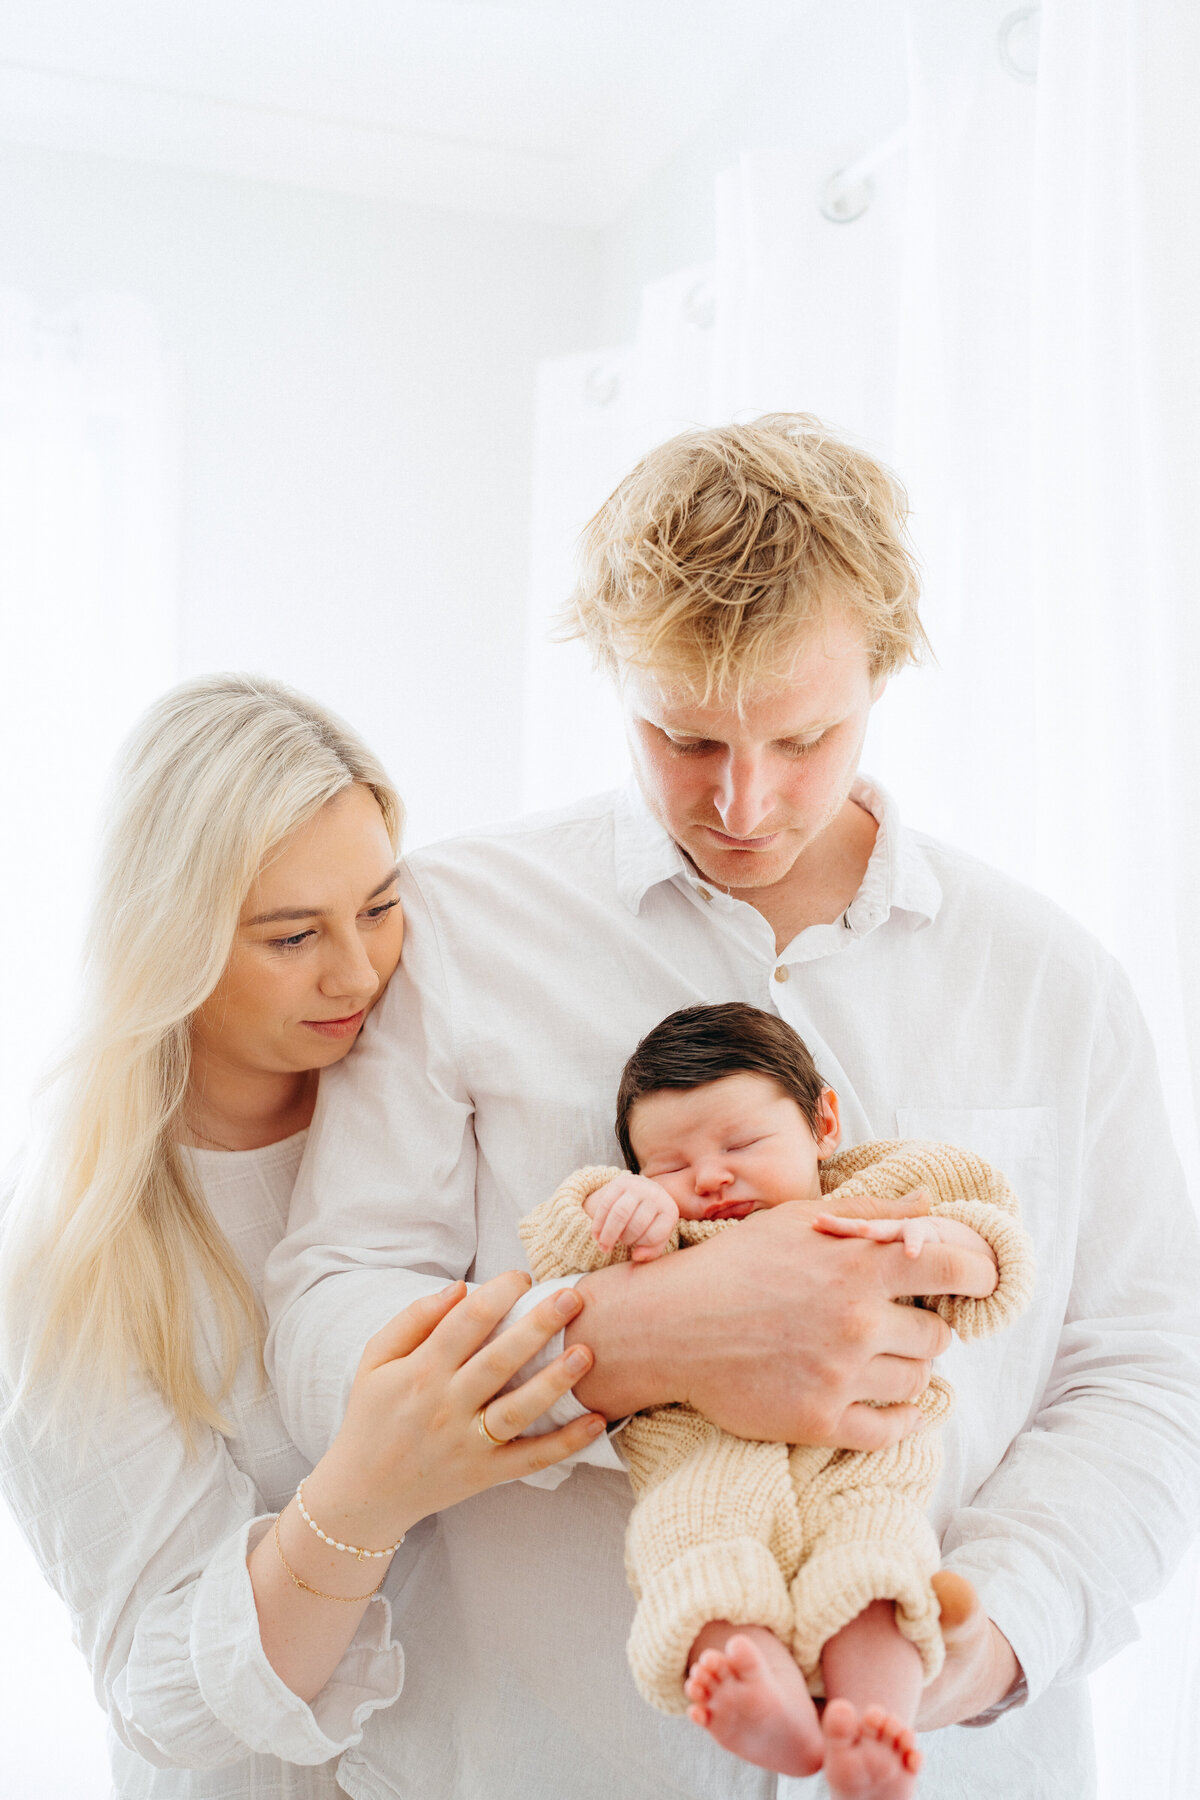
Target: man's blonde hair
{"x":724,"y":547}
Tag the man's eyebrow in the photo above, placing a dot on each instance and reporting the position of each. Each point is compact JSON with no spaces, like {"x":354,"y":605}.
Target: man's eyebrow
{"x":316,"y":912}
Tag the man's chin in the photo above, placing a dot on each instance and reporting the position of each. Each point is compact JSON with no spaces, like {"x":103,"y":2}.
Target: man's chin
{"x":740,"y":868}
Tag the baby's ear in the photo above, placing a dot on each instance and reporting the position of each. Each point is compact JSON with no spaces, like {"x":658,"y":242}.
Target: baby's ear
{"x":828,"y":1130}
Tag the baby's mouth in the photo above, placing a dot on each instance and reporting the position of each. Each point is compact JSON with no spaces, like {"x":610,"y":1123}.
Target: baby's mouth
{"x":730,"y":1209}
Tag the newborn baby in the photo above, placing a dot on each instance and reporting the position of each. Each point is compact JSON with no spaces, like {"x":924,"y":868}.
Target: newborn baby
{"x":766,"y":1574}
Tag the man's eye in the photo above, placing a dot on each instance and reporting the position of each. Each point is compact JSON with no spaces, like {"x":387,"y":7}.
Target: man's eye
{"x":801,"y":747}
{"x":688,"y":746}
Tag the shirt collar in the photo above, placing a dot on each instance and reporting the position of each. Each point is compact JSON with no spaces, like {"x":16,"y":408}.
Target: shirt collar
{"x":899,"y":876}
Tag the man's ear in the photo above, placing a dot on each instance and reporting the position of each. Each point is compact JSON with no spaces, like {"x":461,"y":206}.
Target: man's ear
{"x":877,"y":688}
{"x":829,"y":1124}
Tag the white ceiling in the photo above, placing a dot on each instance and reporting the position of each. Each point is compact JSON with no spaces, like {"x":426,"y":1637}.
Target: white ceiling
{"x":554,"y":110}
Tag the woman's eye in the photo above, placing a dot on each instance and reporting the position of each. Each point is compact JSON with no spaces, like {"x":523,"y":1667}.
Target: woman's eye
{"x":290,"y":943}
{"x":380,"y":912}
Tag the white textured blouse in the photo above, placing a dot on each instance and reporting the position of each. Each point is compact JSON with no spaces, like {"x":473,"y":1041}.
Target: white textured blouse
{"x":950,"y":1003}
{"x":147,"y":1546}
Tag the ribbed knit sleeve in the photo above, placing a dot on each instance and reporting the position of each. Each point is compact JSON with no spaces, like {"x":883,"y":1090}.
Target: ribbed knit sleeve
{"x":961,"y":1186}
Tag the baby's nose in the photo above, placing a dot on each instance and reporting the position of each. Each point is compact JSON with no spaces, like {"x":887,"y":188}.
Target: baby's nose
{"x":712,"y":1176}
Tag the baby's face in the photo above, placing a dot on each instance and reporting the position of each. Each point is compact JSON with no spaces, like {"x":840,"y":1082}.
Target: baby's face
{"x":732,"y":1146}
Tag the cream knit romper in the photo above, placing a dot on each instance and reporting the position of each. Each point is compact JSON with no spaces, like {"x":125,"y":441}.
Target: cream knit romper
{"x":798,"y":1538}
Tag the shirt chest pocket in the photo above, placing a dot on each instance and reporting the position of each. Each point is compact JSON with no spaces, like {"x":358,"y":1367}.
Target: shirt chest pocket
{"x":1022,"y":1142}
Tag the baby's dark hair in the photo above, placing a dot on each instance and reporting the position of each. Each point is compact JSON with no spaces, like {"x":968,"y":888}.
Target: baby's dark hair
{"x":699,"y":1044}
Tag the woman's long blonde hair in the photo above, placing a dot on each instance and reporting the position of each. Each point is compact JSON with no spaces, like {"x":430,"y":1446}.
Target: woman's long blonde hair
{"x":108,"y":1231}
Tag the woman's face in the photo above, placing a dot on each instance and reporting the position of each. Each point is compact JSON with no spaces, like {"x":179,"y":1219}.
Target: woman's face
{"x":318,"y":939}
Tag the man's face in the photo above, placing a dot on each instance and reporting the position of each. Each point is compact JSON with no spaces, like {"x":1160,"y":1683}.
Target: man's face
{"x":743,"y":793}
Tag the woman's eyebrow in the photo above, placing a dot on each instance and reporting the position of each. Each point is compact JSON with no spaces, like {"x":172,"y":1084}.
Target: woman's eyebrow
{"x":316,"y":912}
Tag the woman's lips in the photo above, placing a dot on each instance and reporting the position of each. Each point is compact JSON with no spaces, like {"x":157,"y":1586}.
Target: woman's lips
{"x":337,"y":1028}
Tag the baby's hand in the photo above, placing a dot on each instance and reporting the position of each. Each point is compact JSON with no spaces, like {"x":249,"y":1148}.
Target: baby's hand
{"x":914,"y":1234}
{"x":634,"y":1211}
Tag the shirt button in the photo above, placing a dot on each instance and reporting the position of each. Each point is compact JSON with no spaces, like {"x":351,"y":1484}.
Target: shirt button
{"x":704,"y":893}
{"x":781,"y":973}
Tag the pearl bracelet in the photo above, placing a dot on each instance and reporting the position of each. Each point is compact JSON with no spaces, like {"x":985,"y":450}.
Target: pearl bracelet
{"x":351,"y":1549}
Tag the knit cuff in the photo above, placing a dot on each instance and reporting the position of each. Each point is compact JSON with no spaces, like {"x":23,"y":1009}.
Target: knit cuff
{"x":1013,"y":1251}
{"x":888,"y":1558}
{"x":557,"y":1235}
{"x":737,"y":1580}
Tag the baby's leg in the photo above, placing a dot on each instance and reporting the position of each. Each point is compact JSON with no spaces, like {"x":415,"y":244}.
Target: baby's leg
{"x":873,"y":1682}
{"x":751,"y":1698}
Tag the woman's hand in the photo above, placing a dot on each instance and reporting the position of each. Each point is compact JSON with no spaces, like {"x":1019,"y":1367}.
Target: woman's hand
{"x":411,"y":1444}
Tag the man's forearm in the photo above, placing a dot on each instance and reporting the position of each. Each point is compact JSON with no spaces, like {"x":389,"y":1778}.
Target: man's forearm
{"x":772,"y":1330}
{"x":624,"y":1314}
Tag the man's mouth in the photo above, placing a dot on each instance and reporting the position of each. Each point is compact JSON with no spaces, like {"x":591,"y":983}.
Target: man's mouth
{"x":741,"y":843}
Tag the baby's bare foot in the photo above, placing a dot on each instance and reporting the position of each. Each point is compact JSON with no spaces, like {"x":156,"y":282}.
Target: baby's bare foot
{"x":872,"y":1757}
{"x":752,"y":1699}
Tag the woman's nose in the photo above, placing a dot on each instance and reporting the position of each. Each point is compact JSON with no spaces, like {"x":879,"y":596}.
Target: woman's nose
{"x":350,"y":971}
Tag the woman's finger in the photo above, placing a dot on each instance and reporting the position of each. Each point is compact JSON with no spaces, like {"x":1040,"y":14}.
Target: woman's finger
{"x":487,"y":1371}
{"x":510,"y":1414}
{"x":468,"y":1325}
{"x":401,"y":1335}
{"x":528,"y":1455}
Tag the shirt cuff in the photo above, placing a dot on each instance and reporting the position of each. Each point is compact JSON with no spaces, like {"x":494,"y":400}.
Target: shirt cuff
{"x":601,"y":1452}
{"x":244,"y":1691}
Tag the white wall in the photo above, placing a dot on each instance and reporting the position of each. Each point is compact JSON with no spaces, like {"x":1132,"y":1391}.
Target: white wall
{"x":834,"y":85}
{"x":355,"y":385}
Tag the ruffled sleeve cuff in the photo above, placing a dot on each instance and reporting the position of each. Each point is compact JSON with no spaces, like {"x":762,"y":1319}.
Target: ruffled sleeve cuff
{"x":222,"y":1662}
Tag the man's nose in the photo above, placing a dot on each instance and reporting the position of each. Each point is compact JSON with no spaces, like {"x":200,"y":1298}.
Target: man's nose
{"x":743,"y":798}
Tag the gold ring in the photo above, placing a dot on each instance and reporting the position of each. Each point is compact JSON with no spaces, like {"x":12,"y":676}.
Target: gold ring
{"x":499,"y":1443}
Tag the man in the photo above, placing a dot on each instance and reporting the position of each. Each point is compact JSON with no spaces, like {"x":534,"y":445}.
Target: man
{"x":750,"y":591}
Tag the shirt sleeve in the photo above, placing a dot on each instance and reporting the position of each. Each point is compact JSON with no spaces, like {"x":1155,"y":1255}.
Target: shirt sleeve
{"x":147,"y":1544}
{"x":383,"y":1209}
{"x":1096,"y":1500}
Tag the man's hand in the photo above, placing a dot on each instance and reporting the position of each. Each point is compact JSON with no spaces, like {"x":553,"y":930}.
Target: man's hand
{"x":773,"y":1331}
{"x":980,"y":1667}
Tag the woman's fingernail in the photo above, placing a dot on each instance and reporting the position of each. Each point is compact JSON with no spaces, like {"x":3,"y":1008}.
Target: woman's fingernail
{"x":566,"y":1303}
{"x":578,"y":1360}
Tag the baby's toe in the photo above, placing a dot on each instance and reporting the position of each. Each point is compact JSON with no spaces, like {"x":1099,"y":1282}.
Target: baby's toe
{"x":840,"y":1721}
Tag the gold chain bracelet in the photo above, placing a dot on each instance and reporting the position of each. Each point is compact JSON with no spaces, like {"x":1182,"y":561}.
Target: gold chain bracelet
{"x":346,"y":1599}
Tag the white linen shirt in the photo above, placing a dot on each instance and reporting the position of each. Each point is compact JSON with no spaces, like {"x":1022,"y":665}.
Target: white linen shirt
{"x":148,"y":1548}
{"x":948,"y":1003}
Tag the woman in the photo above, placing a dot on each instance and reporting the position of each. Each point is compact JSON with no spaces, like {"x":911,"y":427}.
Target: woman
{"x":246,"y":922}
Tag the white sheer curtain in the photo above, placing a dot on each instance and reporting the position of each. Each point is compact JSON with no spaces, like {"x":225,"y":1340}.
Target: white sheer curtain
{"x":1011,"y":323}
{"x":87,"y":606}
